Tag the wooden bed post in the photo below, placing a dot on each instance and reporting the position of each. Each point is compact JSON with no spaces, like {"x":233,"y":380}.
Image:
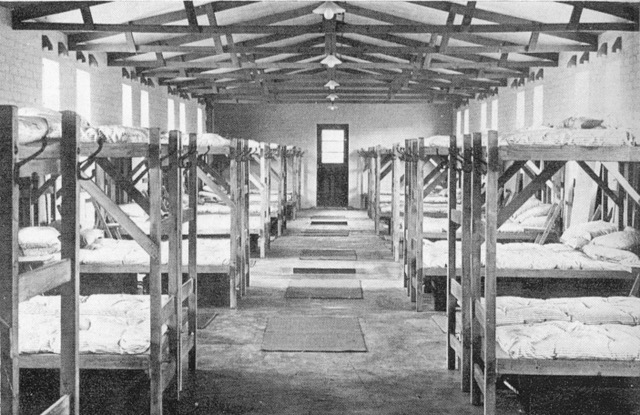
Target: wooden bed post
{"x":418,"y":218}
{"x":234,"y":231}
{"x":174,"y":190}
{"x":193,"y":243}
{"x":451,"y":243}
{"x":246,"y":231}
{"x":372,"y":182}
{"x":265,"y":216}
{"x":70,"y":247}
{"x":376,"y":196}
{"x":405,"y":219}
{"x":396,"y":195}
{"x":490,"y":286}
{"x":477,"y":234}
{"x":465,"y":349}
{"x":155,"y":277}
{"x":299,"y":187}
{"x":9,"y":207}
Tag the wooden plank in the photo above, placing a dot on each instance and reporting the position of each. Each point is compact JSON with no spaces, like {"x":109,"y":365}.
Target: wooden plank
{"x":452,"y":284}
{"x":505,"y":213}
{"x":122,"y":218}
{"x":192,"y":187}
{"x":456,"y":290}
{"x":155,"y":280}
{"x":476,"y":242}
{"x":9,"y":282}
{"x":456,"y":216}
{"x":124,"y":183}
{"x":465,"y":294}
{"x":632,"y":193}
{"x":61,"y":407}
{"x":395,"y":207}
{"x":568,"y":367}
{"x":215,"y":175}
{"x":490,"y":282}
{"x":206,"y":179}
{"x":234,"y":232}
{"x":43,"y":279}
{"x":566,"y":153}
{"x":175,"y":192}
{"x":419,"y":285}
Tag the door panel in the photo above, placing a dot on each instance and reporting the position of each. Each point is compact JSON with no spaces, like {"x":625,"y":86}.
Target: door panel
{"x":333,"y":165}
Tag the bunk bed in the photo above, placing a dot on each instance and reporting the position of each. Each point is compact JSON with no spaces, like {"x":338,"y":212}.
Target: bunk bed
{"x":443,"y":155}
{"x":481,"y":365}
{"x":18,"y":288}
{"x":162,"y":338}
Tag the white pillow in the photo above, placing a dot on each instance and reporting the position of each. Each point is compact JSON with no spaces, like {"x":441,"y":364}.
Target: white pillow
{"x":38,"y":237}
{"x":627,"y":239}
{"x":540,"y":210}
{"x":588,"y":230}
{"x":529,"y":204}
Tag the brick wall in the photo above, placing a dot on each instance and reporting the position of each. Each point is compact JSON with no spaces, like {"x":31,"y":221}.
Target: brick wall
{"x":369,"y":125}
{"x":616,"y":102}
{"x":21,"y":73}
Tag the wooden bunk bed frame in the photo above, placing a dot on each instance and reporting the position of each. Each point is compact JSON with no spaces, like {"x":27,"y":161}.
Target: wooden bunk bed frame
{"x":16,"y":287}
{"x":293,"y":161}
{"x":164,"y":361}
{"x":480,"y":365}
{"x":234,"y":194}
{"x":446,"y":162}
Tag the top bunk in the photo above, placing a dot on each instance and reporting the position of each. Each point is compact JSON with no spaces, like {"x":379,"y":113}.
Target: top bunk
{"x":40,"y":133}
{"x":576,"y":138}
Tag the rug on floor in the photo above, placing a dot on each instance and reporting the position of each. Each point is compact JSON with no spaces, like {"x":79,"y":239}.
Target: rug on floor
{"x":329,"y":254}
{"x":324,"y":232}
{"x":324,"y":289}
{"x":313,"y":334}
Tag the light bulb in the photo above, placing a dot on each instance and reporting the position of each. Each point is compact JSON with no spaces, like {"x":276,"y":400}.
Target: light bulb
{"x":331,"y":61}
{"x":331,"y":85}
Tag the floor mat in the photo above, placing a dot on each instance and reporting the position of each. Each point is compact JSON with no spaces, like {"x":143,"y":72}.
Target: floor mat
{"x":324,"y":232}
{"x":205,"y":318}
{"x":330,"y":222}
{"x":328,"y":217}
{"x":312,"y":270}
{"x":329,"y":254}
{"x":324,"y":289}
{"x":313,"y":334}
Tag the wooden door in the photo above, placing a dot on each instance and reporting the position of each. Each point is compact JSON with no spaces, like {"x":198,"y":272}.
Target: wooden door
{"x":333,"y":165}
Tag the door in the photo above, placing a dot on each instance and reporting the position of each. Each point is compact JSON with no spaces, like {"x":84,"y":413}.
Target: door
{"x":333,"y":165}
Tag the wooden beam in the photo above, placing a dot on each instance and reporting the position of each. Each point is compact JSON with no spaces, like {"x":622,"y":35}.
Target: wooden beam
{"x":131,"y":43}
{"x":35,"y":10}
{"x":342,"y":27}
{"x":192,"y":17}
{"x":601,"y":184}
{"x":576,"y":13}
{"x":213,"y":21}
{"x":87,"y":18}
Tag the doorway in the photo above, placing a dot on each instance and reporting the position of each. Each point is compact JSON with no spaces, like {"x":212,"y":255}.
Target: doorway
{"x":333,"y":165}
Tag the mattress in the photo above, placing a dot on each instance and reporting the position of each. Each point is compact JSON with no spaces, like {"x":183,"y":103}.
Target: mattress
{"x":208,"y":224}
{"x":523,"y":255}
{"x":109,"y":324}
{"x":570,"y":340}
{"x":114,"y":252}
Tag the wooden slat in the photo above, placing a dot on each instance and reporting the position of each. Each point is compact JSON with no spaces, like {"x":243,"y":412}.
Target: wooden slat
{"x":61,"y":407}
{"x":43,"y":279}
{"x":192,"y":187}
{"x":456,"y":290}
{"x":505,"y":213}
{"x":568,"y":367}
{"x":465,"y":295}
{"x":124,"y":183}
{"x":632,"y":193}
{"x":566,"y":153}
{"x":456,"y":216}
{"x":122,"y":218}
{"x":9,"y":282}
{"x":206,"y":179}
{"x":478,"y":376}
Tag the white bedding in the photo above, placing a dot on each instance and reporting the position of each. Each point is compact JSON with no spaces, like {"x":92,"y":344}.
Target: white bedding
{"x":522,"y":255}
{"x":210,"y":252}
{"x":570,"y":340}
{"x":109,"y":324}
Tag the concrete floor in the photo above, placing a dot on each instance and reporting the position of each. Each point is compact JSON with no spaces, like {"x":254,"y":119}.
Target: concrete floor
{"x":403,"y":371}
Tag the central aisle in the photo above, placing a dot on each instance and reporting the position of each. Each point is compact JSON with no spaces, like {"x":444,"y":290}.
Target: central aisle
{"x":402,"y":372}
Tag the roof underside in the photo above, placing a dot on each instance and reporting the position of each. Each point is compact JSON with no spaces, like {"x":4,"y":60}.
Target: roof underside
{"x":271,"y":51}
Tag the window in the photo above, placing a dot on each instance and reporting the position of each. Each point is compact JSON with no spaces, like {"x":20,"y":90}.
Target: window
{"x":183,"y":118}
{"x":200,"y":121}
{"x":494,"y":115}
{"x":520,"y":110}
{"x":581,"y":93}
{"x":51,"y":84}
{"x":538,"y":105}
{"x":83,"y":93}
{"x":144,"y":109}
{"x":459,"y":124}
{"x":332,"y":146}
{"x":466,"y":121}
{"x":483,"y":117}
{"x":127,"y":105}
{"x":171,"y":115}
